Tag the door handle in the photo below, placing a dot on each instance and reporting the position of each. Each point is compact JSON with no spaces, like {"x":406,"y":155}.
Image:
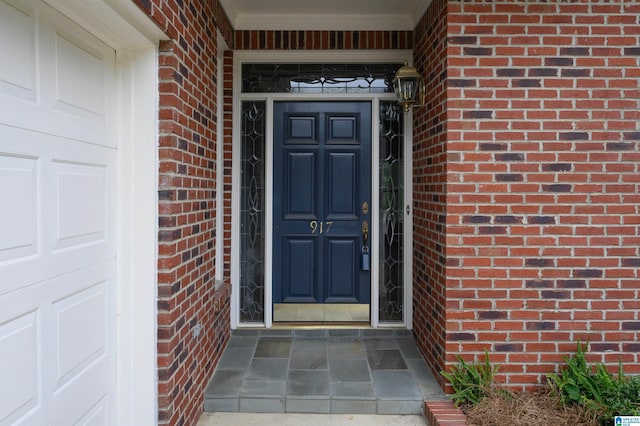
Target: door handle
{"x":365,"y":232}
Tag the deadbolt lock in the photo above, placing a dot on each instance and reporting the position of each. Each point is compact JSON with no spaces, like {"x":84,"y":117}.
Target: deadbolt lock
{"x":365,"y":208}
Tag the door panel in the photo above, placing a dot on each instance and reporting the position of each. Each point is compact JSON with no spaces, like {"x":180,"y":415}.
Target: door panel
{"x":300,"y":280}
{"x":342,"y":197}
{"x":342,"y":129}
{"x":301,"y":185}
{"x":342,"y":271}
{"x":301,"y":129}
{"x":322,"y":176}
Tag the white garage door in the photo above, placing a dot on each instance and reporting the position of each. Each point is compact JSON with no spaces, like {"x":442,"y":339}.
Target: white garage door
{"x":57,"y":220}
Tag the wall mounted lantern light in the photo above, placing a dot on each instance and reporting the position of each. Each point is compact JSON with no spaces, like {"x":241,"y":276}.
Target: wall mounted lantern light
{"x":409,"y":87}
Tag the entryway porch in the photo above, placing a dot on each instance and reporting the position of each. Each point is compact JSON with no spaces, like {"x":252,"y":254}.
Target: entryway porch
{"x":320,"y":370}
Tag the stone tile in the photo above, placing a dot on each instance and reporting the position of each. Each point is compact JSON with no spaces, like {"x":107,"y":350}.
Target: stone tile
{"x":270,"y":332}
{"x":310,"y":344}
{"x":386,"y":359}
{"x":262,"y":389}
{"x":425,"y":380}
{"x":243,"y":342}
{"x":225,"y":383}
{"x":245,"y":332}
{"x":395,"y":385}
{"x":343,"y":406}
{"x":408,"y":349}
{"x":273,"y":348}
{"x":420,"y":370}
{"x":308,"y":383}
{"x":349,"y":370}
{"x":322,"y":406}
{"x":346,"y":349}
{"x":308,"y":360}
{"x":400,"y":407}
{"x":378,"y":333}
{"x":268,"y":369}
{"x":351,"y":390}
{"x":310,"y":334}
{"x":262,"y":405}
{"x":380,"y":343}
{"x":338,"y":334}
{"x":235,"y":358}
{"x":222,"y":404}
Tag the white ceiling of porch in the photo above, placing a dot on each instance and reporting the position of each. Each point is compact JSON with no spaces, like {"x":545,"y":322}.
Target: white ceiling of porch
{"x":348,"y":15}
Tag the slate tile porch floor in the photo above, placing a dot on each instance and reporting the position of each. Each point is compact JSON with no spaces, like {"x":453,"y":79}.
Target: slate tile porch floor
{"x":347,"y":371}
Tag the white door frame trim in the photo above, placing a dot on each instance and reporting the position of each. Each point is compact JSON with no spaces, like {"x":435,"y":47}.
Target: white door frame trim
{"x":337,"y":56}
{"x":124,"y":27}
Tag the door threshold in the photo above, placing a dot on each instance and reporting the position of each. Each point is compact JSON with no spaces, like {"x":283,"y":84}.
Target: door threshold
{"x":319,"y":313}
{"x":321,"y":326}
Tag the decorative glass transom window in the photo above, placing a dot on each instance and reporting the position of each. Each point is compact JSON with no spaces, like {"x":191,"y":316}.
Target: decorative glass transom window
{"x":318,"y":78}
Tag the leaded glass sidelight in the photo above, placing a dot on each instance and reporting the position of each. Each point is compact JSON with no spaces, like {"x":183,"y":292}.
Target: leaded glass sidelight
{"x":391,"y":212}
{"x":318,"y":78}
{"x":252,"y":213}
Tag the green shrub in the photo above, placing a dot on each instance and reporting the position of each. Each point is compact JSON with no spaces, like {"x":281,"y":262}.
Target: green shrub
{"x":470,"y":382}
{"x":602,"y":393}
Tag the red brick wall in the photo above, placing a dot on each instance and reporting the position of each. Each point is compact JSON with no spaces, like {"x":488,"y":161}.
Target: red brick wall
{"x":429,"y":188}
{"x":227,"y":160}
{"x":298,"y":40}
{"x":543,"y":178}
{"x":187,"y":295}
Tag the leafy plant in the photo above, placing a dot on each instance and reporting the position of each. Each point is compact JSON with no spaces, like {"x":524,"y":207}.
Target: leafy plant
{"x":596,"y":389}
{"x":576,"y":383}
{"x":470,"y":381}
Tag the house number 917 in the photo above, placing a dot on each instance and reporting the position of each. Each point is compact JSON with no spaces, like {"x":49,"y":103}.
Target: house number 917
{"x":320,"y":227}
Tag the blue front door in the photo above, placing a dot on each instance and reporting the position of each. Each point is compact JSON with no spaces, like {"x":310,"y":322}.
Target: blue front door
{"x":321,"y":202}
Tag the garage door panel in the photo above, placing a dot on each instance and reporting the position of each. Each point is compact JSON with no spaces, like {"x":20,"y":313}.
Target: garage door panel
{"x":95,"y":416}
{"x":17,"y":23}
{"x":19,"y":373}
{"x":81,"y":91}
{"x":56,"y":217}
{"x":75,"y":402}
{"x":81,"y":331}
{"x":80,"y":185}
{"x":78,"y":73}
{"x":18,"y":216}
{"x":73,"y":94}
{"x":76,"y":399}
{"x":81,"y":197}
{"x":36,"y":271}
{"x":57,"y":337}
